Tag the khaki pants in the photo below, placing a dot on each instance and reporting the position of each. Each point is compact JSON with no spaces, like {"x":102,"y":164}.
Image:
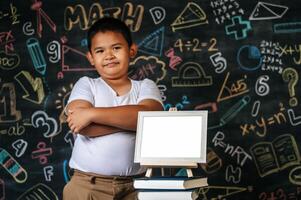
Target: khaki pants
{"x":89,"y":186}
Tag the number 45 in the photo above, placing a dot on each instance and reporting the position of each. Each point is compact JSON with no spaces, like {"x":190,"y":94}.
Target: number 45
{"x":219,"y":62}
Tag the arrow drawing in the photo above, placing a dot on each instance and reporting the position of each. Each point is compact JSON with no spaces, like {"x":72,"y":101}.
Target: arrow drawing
{"x":33,"y":88}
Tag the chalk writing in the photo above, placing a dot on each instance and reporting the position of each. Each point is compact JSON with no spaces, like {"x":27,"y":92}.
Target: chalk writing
{"x":234,"y":151}
{"x":130,"y":15}
{"x":261,"y":125}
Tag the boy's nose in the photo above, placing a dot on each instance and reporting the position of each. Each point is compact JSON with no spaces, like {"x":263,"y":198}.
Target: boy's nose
{"x":109,"y":55}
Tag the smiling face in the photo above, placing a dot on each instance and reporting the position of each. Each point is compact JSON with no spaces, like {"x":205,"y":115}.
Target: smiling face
{"x":110,"y":55}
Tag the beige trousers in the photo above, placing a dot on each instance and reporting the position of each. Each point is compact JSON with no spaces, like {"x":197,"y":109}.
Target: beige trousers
{"x":89,"y":186}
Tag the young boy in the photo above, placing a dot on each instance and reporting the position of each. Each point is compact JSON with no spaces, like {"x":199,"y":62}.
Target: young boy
{"x":103,"y":112}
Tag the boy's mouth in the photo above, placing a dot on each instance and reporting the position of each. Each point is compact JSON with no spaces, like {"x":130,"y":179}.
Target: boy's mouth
{"x":111,"y":64}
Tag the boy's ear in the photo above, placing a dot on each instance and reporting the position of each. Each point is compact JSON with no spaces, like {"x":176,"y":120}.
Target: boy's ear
{"x":90,"y":58}
{"x":133,"y":50}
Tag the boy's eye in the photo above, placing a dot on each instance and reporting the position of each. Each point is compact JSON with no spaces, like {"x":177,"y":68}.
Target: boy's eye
{"x":117,"y":48}
{"x":99,"y":51}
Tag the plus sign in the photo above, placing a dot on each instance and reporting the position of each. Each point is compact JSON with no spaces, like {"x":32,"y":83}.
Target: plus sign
{"x":290,"y":50}
{"x":238,"y":27}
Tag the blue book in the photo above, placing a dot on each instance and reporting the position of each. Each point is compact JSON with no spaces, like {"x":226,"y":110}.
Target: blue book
{"x":170,"y":183}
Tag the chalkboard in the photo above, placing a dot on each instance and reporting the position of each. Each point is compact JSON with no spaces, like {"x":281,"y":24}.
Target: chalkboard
{"x":240,"y":60}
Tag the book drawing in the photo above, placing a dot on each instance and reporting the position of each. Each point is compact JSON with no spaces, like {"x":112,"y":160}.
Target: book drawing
{"x":277,"y":155}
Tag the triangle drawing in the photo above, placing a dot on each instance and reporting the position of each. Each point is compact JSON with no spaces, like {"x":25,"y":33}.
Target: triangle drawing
{"x":265,"y":11}
{"x":226,"y":92}
{"x":192,"y":15}
{"x":153,"y":43}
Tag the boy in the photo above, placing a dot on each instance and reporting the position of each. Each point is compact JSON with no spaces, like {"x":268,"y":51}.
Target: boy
{"x":103,"y":111}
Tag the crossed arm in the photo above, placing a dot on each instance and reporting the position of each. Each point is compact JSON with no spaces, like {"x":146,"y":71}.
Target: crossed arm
{"x":92,"y":121}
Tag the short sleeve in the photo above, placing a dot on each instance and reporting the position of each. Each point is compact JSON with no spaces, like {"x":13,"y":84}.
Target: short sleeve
{"x":82,"y":90}
{"x":149,"y":90}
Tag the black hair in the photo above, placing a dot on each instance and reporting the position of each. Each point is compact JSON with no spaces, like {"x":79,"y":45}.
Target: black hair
{"x":109,"y":24}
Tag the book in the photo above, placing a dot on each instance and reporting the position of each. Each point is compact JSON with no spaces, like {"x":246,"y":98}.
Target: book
{"x":168,"y":194}
{"x":170,"y":183}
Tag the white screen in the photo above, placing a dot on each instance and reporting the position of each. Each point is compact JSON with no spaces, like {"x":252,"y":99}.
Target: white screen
{"x":181,"y":133}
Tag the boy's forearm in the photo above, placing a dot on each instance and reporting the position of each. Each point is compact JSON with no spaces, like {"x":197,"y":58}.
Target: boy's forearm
{"x":83,"y":114}
{"x":123,"y":117}
{"x":95,"y":130}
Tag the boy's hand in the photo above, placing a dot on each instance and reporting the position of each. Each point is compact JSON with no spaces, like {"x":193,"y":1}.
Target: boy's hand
{"x":78,"y":118}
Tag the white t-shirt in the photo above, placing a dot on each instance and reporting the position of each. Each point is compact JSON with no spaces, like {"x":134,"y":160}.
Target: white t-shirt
{"x":110,"y":154}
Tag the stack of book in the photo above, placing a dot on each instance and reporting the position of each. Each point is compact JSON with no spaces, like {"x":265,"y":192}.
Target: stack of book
{"x":169,"y":188}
